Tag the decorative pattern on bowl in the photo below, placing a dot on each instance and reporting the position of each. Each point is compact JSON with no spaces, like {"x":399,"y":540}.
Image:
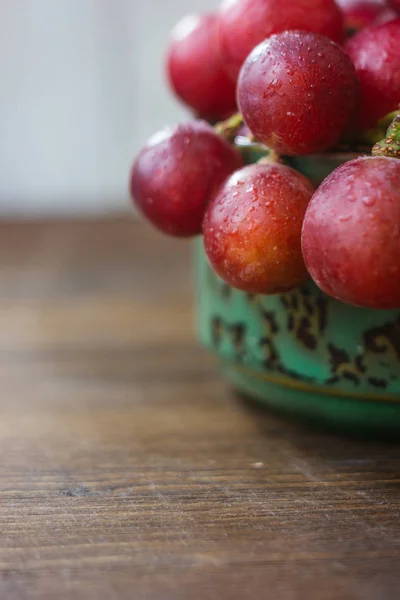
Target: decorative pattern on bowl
{"x":305,"y":352}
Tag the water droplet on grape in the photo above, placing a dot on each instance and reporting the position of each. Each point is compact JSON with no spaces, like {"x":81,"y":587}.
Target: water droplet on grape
{"x":369,"y":200}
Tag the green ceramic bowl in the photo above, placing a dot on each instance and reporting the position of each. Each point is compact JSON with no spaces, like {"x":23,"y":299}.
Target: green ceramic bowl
{"x":303,"y":352}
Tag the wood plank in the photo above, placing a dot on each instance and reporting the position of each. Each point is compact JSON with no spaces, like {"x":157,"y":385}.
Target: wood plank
{"x":130,"y":471}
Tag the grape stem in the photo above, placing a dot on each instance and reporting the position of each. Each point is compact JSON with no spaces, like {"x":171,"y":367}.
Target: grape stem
{"x":270,"y":158}
{"x":359,"y":141}
{"x":229,"y":128}
{"x":390,"y":145}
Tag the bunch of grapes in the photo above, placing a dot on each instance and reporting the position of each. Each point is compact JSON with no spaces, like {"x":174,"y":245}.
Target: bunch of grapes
{"x":309,"y":77}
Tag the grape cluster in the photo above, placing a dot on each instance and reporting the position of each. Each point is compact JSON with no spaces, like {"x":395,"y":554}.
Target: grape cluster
{"x":315,"y":76}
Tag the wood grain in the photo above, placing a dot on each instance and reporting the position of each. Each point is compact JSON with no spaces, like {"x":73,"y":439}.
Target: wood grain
{"x":130,"y":471}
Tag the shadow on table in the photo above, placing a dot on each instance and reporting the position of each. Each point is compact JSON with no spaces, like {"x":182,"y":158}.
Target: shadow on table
{"x":317,"y":427}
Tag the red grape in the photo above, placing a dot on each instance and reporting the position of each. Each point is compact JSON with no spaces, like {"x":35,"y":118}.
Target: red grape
{"x":195,"y":70}
{"x":375,"y":53}
{"x":253,"y":225}
{"x":351,"y":233}
{"x":395,"y":4}
{"x":297,"y":92}
{"x":176,"y":174}
{"x":362,"y":13}
{"x":244,"y":24}
{"x":386,"y":15}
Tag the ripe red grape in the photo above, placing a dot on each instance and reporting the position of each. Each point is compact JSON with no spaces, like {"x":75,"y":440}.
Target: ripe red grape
{"x":253,"y":225}
{"x":194,"y":68}
{"x":245,"y":23}
{"x":375,"y":53}
{"x":176,"y":174}
{"x":351,"y":233}
{"x":297,"y":92}
{"x":395,"y":4}
{"x":363,"y":13}
{"x":388,"y":14}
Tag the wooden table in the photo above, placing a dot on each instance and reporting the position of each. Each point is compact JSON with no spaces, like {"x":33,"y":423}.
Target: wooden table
{"x":130,"y":471}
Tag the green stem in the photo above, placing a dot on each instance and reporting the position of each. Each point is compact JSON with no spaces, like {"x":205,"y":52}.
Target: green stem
{"x":387,"y":121}
{"x":229,"y":128}
{"x":369,"y":137}
{"x":270,"y":158}
{"x":390,"y":145}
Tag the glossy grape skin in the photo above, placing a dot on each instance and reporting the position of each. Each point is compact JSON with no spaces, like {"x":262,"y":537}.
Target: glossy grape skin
{"x":389,"y":14}
{"x":395,"y":4}
{"x":176,"y":174}
{"x":297,"y":92}
{"x":243,"y":24}
{"x":195,"y":71}
{"x":375,"y":53}
{"x":351,"y":233}
{"x":252,"y":228}
{"x":363,"y":13}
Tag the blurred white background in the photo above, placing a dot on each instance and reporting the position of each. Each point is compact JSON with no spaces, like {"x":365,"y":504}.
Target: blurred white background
{"x":82,"y":87}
